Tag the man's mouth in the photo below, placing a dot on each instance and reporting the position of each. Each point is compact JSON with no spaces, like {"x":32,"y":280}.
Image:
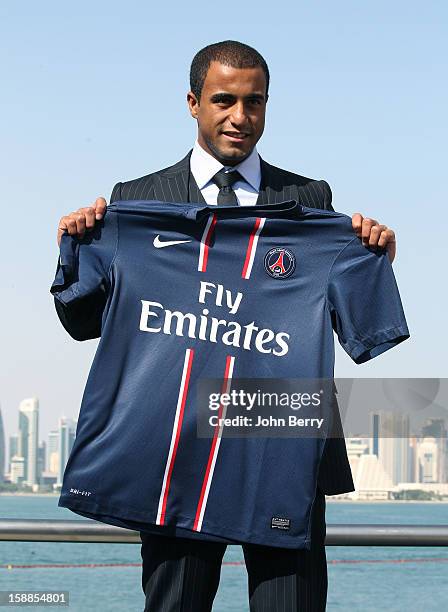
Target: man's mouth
{"x":235,"y":136}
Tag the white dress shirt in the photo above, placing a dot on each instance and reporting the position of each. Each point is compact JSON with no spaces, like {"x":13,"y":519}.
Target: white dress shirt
{"x":204,"y":166}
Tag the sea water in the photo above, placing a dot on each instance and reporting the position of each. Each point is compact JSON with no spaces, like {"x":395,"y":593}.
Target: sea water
{"x":361,"y":579}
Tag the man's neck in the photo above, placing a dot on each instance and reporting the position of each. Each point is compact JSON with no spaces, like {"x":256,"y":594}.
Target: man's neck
{"x":204,"y":166}
{"x":227,"y":162}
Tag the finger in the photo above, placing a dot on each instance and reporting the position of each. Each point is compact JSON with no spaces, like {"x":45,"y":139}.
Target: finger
{"x":65,"y":224}
{"x":375,"y":234}
{"x":367,"y":225}
{"x":100,"y":207}
{"x":89,"y":213}
{"x":68,"y":224}
{"x":80,"y":220}
{"x":357,"y":223}
{"x":391,"y":250}
{"x":386,"y":238}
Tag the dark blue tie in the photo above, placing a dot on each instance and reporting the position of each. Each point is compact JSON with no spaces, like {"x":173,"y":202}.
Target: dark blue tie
{"x":225,"y":181}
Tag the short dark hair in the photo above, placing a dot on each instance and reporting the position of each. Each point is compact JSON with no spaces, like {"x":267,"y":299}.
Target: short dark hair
{"x":228,"y":52}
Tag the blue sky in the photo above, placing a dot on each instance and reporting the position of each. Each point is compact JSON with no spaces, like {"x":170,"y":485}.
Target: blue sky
{"x":95,"y":93}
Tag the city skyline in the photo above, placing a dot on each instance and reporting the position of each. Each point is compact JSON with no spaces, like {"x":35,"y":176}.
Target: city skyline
{"x":386,"y":461}
{"x":30,"y":461}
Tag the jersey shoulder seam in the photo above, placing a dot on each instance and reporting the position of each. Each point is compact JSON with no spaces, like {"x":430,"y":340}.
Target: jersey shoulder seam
{"x":324,"y":211}
{"x":115,"y":209}
{"x":334,"y":261}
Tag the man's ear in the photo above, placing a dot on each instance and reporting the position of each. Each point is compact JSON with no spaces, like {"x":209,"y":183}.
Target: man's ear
{"x":193,"y":104}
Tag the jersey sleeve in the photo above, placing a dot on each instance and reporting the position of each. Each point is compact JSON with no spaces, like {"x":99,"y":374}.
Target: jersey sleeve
{"x":364,"y":302}
{"x":82,"y":281}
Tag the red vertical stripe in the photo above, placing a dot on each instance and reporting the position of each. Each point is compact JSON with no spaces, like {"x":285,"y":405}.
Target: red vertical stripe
{"x":207,"y":242}
{"x":250,"y":245}
{"x":176,"y":443}
{"x":212,"y":448}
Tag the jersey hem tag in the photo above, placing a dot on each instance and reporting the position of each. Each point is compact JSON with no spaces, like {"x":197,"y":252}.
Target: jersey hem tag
{"x":278,"y":522}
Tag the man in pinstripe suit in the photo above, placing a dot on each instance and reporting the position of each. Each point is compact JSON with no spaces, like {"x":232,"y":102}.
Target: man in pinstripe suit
{"x":229,"y":91}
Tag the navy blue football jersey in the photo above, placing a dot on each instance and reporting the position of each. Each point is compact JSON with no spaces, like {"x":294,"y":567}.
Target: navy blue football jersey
{"x":179,"y":292}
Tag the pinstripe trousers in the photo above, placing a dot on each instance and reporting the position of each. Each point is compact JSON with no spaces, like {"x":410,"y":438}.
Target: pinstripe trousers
{"x":182,"y":575}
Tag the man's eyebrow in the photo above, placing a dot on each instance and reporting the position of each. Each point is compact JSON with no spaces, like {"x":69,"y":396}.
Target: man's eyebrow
{"x":255,"y":96}
{"x":223,"y":96}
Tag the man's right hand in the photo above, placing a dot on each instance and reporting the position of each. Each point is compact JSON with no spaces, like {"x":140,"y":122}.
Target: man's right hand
{"x":82,"y":220}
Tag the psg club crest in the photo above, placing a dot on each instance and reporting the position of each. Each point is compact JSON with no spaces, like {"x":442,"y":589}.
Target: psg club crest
{"x":279,"y":262}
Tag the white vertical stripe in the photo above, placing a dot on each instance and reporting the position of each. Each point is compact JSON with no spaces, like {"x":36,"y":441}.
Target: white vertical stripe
{"x":254,"y":247}
{"x":173,"y":433}
{"x":202,"y":244}
{"x":215,"y":454}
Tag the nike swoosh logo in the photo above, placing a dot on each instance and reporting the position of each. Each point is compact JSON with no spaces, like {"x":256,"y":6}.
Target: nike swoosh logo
{"x":159,"y":244}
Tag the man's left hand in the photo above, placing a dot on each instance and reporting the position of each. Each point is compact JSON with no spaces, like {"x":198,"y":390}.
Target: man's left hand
{"x":374,"y":234}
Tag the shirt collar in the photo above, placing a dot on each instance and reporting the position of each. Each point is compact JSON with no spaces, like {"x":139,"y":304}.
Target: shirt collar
{"x":204,"y":166}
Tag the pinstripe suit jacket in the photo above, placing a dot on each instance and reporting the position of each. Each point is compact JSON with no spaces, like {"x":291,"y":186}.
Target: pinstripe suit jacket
{"x":176,"y":184}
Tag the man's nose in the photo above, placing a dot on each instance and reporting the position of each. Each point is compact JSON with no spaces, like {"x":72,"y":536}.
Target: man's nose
{"x":238,"y":115}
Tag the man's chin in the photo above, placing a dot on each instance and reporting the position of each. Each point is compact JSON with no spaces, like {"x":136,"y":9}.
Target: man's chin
{"x":230,"y":155}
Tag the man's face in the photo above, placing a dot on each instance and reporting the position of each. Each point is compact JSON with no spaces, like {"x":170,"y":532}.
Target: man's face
{"x":231,"y":111}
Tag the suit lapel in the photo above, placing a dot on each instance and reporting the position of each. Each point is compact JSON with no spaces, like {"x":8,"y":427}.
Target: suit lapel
{"x":194,"y":192}
{"x":271,"y":189}
{"x":171,"y":185}
{"x":177,"y":184}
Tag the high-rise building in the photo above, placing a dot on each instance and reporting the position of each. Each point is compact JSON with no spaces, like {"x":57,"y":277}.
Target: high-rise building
{"x":28,"y":439}
{"x":428,"y":460}
{"x":67,"y":432}
{"x":2,"y":449}
{"x":413,"y":443}
{"x":13,"y":448}
{"x":41,"y":460}
{"x":17,"y":470}
{"x":53,"y":452}
{"x":436,"y":428}
{"x":390,"y":443}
